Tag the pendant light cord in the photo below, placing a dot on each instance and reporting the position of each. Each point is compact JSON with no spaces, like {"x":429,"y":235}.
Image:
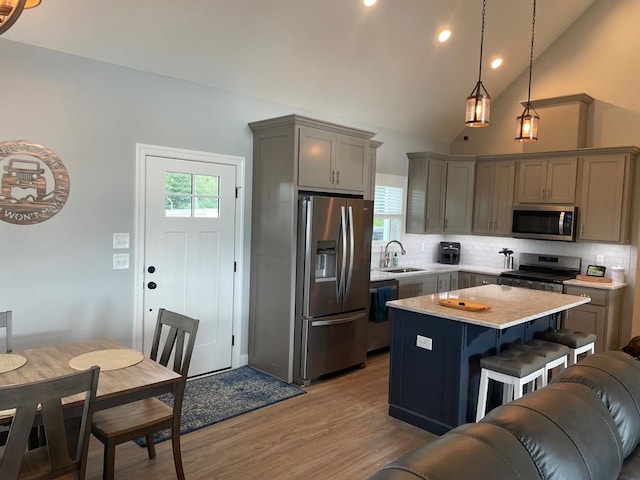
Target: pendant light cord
{"x":484,"y":7}
{"x":533,"y":33}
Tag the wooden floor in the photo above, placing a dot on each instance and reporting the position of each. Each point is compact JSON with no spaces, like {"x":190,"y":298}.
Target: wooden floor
{"x":339,"y":429}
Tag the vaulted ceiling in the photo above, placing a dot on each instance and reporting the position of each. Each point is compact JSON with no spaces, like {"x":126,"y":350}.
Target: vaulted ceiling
{"x":381,"y":66}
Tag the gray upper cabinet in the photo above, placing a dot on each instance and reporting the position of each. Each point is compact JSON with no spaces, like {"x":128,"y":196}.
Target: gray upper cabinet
{"x":551,"y":180}
{"x":493,"y":195}
{"x":604,"y":201}
{"x":333,"y":161}
{"x":459,"y":196}
{"x":439,"y":194}
{"x":425,"y":194}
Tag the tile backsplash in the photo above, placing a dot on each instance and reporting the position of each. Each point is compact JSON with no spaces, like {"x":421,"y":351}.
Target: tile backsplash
{"x":483,"y":251}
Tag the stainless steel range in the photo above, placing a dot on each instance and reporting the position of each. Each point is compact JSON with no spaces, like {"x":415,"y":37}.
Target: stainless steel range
{"x":542,"y":272}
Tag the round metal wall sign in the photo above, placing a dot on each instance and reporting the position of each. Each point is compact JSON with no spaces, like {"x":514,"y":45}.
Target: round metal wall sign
{"x":34,"y":183}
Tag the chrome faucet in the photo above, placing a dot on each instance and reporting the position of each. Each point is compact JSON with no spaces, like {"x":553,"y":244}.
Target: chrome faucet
{"x":387,"y":258}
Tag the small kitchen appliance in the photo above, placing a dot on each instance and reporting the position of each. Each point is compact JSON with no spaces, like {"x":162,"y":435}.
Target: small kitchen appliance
{"x":449,"y":253}
{"x":540,"y":271}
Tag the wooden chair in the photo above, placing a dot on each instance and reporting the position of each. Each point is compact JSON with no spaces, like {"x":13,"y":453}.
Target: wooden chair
{"x":145,"y":417}
{"x":66,"y":450}
{"x":5,"y":322}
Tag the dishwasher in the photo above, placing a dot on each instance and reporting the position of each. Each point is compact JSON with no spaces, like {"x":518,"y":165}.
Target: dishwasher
{"x":379,"y":330}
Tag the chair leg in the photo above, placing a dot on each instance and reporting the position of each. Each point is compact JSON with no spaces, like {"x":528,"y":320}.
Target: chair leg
{"x":482,"y":395}
{"x":177,"y":454}
{"x":108,"y":466}
{"x":151,"y":448}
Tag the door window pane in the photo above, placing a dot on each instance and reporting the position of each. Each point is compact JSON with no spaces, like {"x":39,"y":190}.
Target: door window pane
{"x":177,"y":206}
{"x":195,"y":196}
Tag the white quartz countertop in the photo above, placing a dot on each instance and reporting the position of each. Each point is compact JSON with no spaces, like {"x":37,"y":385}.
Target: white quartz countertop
{"x":429,"y":268}
{"x":510,"y":306}
{"x":601,"y":286}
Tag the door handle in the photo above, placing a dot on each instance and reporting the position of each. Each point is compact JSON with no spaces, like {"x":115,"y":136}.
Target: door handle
{"x":152,"y":285}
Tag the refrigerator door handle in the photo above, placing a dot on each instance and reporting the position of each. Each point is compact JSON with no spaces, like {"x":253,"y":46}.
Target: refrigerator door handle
{"x":351,"y":252}
{"x":351,"y":317}
{"x":306,"y":206}
{"x":343,"y":234}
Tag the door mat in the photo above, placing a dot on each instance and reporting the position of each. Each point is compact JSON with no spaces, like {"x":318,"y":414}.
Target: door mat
{"x":212,"y":399}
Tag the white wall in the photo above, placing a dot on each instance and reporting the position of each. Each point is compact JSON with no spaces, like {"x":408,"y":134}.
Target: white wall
{"x":58,"y":276}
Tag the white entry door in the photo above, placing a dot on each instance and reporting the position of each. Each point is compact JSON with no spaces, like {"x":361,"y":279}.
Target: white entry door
{"x":189,"y":253}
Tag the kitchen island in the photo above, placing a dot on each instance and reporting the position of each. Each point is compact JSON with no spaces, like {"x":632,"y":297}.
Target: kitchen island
{"x":436,"y":350}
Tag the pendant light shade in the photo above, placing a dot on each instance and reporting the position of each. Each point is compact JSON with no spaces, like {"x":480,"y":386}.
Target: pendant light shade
{"x":527,"y":123}
{"x":10,"y":10}
{"x":479,"y":101}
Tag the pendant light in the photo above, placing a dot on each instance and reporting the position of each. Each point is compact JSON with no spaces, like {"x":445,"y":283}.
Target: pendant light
{"x":527,"y":123}
{"x":479,"y":101}
{"x":10,"y":10}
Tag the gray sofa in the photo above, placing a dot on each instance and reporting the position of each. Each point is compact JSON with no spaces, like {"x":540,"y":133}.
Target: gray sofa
{"x":585,"y":425}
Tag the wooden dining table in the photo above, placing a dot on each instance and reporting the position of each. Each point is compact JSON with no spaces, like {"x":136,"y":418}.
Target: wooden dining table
{"x":115,"y":387}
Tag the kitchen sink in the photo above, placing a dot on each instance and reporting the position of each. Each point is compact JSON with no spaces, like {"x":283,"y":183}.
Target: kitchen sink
{"x":404,"y":270}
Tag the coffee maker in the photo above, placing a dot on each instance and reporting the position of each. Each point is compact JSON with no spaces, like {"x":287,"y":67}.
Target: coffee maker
{"x":449,"y":253}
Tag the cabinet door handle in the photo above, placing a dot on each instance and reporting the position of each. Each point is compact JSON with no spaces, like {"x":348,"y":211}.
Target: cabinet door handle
{"x":333,"y":176}
{"x":490,"y":225}
{"x":338,"y":176}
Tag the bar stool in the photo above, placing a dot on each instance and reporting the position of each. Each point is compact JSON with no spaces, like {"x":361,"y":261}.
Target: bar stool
{"x":555,"y":354}
{"x":578,"y":342}
{"x":514,"y":369}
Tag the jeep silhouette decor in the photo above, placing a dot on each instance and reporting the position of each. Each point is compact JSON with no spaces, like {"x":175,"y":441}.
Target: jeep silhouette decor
{"x":34,"y":183}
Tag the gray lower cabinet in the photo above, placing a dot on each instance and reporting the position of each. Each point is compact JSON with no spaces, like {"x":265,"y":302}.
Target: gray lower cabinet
{"x":600,"y":316}
{"x":469,"y":279}
{"x":415,"y":286}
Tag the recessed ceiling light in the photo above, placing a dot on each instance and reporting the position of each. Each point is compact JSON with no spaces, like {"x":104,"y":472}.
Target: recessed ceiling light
{"x":496,"y":63}
{"x":444,"y":35}
{"x":368,"y":3}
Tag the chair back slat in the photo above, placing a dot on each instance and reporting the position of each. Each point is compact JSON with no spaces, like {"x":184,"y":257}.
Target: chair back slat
{"x":25,"y":398}
{"x":181,"y":330}
{"x":53,"y":420}
{"x":18,"y":437}
{"x":6,"y":323}
{"x":167,"y":349}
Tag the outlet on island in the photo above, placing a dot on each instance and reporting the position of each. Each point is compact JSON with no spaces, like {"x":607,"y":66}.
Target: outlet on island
{"x":424,"y":342}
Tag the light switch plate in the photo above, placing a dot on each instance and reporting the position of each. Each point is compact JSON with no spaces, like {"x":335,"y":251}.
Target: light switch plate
{"x":424,"y":342}
{"x":120,"y":240}
{"x":599,"y":259}
{"x":120,"y":261}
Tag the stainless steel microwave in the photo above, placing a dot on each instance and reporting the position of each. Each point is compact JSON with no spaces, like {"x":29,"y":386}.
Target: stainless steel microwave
{"x":545,"y":222}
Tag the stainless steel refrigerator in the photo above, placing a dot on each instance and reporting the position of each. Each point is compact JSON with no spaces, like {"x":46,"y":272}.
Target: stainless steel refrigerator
{"x":332,"y":285}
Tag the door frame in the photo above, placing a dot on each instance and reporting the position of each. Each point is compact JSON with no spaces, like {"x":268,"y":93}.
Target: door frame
{"x":142,"y":152}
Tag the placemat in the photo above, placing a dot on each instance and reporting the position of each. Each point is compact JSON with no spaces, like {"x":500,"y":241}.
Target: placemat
{"x":111,"y":359}
{"x":11,"y":361}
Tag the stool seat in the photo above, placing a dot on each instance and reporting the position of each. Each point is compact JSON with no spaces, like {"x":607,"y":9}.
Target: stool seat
{"x":549,"y":350}
{"x":555,"y":354}
{"x":565,"y":336}
{"x":514,"y":363}
{"x":513,"y":368}
{"x":578,"y":342}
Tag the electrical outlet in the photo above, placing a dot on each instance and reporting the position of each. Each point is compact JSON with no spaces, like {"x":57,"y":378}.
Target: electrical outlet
{"x":120,"y":240}
{"x":599,"y":259}
{"x":120,"y":261}
{"x":424,"y":342}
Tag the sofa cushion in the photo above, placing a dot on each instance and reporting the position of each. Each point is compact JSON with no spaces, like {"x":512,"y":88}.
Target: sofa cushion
{"x":615,"y":378}
{"x":567,"y":430}
{"x":631,"y":467}
{"x":473,"y":450}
